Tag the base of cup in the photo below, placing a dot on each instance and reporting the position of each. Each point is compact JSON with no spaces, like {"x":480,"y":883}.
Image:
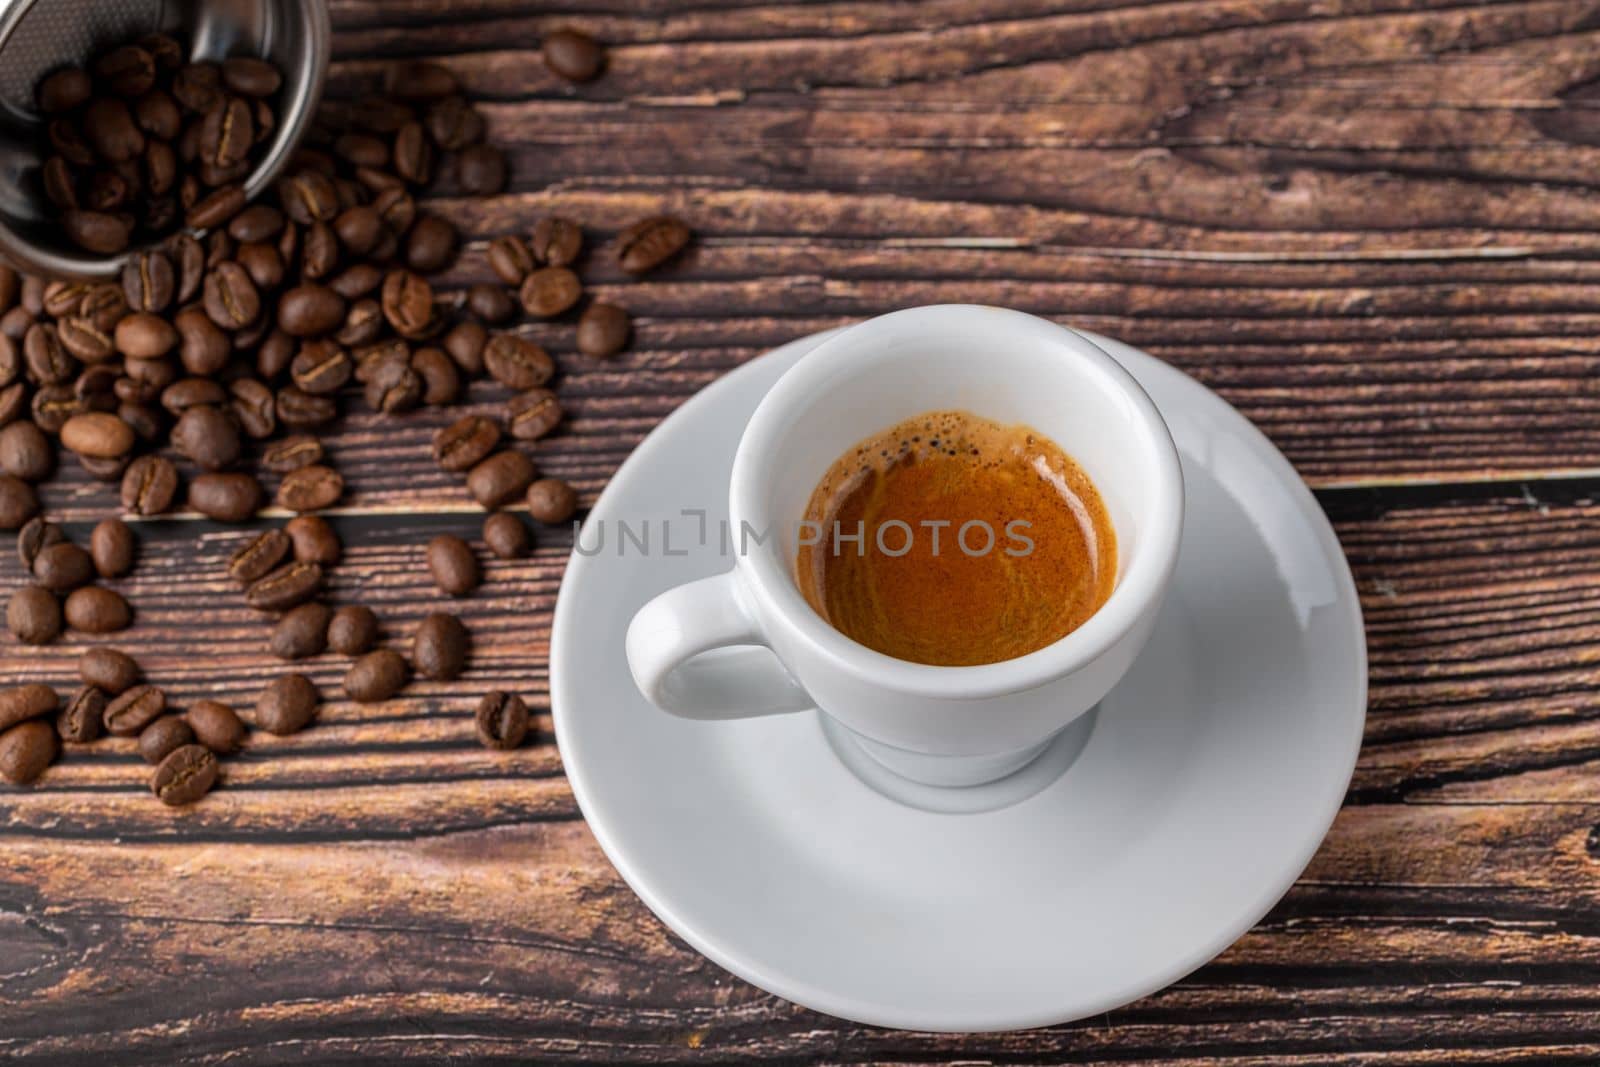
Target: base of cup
{"x":959,"y":784}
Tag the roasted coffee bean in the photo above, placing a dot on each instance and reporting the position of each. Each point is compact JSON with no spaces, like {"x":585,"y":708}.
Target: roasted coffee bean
{"x":189,"y":262}
{"x":256,"y":224}
{"x":113,"y":547}
{"x":464,"y":344}
{"x":16,"y":323}
{"x":357,"y":280}
{"x":80,"y":721}
{"x":149,"y":486}
{"x":301,"y":632}
{"x":264,"y":265}
{"x":130,"y":712}
{"x":363,"y":323}
{"x":572,"y":55}
{"x":225,"y":497}
{"x":108,"y":669}
{"x":412,"y":154}
{"x":439,"y":649}
{"x":157,"y":114}
{"x":421,"y":81}
{"x":109,"y":128}
{"x":376,"y":676}
{"x":11,"y":361}
{"x":47,"y":362}
{"x":226,"y":134}
{"x":506,"y":535}
{"x":216,"y":726}
{"x":216,"y":207}
{"x":63,"y":567}
{"x":106,"y":190}
{"x":251,"y":76}
{"x":63,"y":90}
{"x":441,"y":383}
{"x":26,"y":750}
{"x":126,"y":71}
{"x":321,"y":367}
{"x":34,"y":615}
{"x":491,"y":303}
{"x":258,"y":556}
{"x":94,"y":609}
{"x":25,"y":451}
{"x":364,"y":150}
{"x":85,"y":341}
{"x":207,"y":437}
{"x":97,"y":434}
{"x":455,"y":569}
{"x":501,"y":720}
{"x":453,"y":123}
{"x":320,"y":256}
{"x":102,"y":469}
{"x":394,"y":387}
{"x":63,"y":298}
{"x":352,"y":630}
{"x":603,"y":330}
{"x":163,"y":737}
{"x":551,"y":500}
{"x":145,"y":335}
{"x":481,"y":170}
{"x":549,"y":291}
{"x":408,"y":304}
{"x":275,"y":355}
{"x":202,"y":346}
{"x":308,"y":197}
{"x":230,"y":296}
{"x":287,"y":705}
{"x":500,"y":479}
{"x":314,"y":540}
{"x":556,"y":241}
{"x":310,"y":489}
{"x":465,"y":443}
{"x":533,"y":414}
{"x":358,"y":228}
{"x":35,"y":536}
{"x":97,"y":385}
{"x":398,"y":210}
{"x":53,"y":405}
{"x":255,"y":408}
{"x":160,"y":176}
{"x":511,"y":259}
{"x":60,"y":183}
{"x":19,"y":703}
{"x":309,"y":310}
{"x":18,"y":502}
{"x":430,"y":244}
{"x":517,"y":362}
{"x":648,"y":243}
{"x":289,"y":585}
{"x":299,"y":410}
{"x":185,"y":776}
{"x":292,"y":453}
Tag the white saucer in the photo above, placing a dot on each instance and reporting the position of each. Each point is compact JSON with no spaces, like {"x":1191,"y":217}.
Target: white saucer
{"x":1209,"y":778}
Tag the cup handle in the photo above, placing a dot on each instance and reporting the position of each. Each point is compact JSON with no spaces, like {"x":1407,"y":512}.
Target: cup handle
{"x":690,"y":650}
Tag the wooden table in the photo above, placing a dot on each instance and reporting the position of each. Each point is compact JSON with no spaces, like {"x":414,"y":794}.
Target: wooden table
{"x":1370,"y":224}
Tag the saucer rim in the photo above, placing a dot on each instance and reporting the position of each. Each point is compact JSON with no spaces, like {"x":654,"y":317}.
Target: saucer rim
{"x":810,"y":996}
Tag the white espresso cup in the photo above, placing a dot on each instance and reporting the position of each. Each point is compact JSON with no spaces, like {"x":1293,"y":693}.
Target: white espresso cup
{"x":747,"y":643}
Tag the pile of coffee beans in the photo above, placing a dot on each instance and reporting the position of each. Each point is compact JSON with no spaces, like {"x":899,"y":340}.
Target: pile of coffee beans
{"x":220,"y":358}
{"x":143,"y":140}
{"x":114,"y":699}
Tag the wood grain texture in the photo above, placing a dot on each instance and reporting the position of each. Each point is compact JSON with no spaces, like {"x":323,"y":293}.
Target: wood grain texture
{"x":1370,"y":224}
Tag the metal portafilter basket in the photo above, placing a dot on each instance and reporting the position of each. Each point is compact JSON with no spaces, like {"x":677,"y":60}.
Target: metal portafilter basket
{"x":38,"y":36}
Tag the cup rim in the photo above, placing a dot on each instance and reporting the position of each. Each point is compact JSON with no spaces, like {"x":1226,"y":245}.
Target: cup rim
{"x":769,"y":577}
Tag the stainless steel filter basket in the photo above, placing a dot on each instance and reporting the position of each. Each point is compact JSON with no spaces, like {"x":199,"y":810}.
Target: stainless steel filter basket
{"x":37,"y":36}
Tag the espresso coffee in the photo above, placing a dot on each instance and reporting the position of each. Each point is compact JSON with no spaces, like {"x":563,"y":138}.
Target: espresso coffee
{"x":953,"y":540}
